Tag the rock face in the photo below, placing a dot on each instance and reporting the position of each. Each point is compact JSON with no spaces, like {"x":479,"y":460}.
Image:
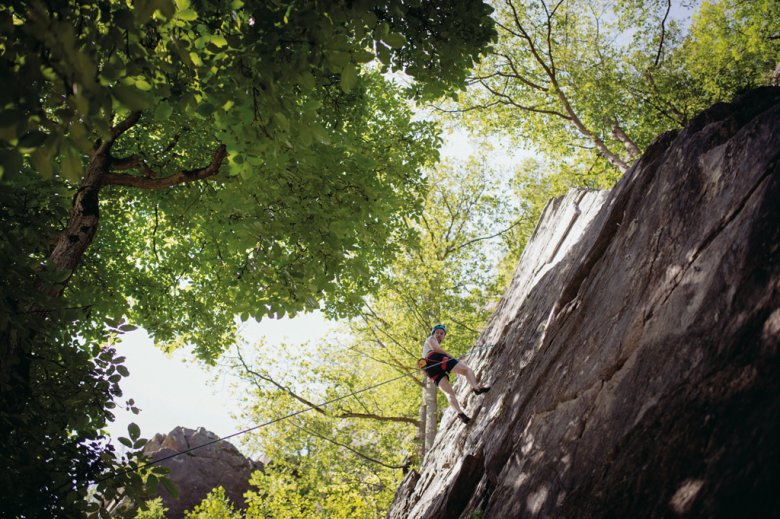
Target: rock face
{"x":634,"y":358}
{"x":197,"y":472}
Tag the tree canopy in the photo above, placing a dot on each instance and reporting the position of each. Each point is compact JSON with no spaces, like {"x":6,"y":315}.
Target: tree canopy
{"x":320,"y":155}
{"x":178,"y":164}
{"x":590,"y":83}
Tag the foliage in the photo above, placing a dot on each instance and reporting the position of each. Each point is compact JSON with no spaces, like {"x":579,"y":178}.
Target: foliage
{"x":271,"y":244}
{"x":57,"y":388}
{"x":152,"y":509}
{"x":450,"y":276}
{"x":322,"y":159}
{"x":732,"y":46}
{"x":254,"y":70}
{"x":216,"y":505}
{"x":345,"y":459}
{"x":177,"y":163}
{"x":590,"y":83}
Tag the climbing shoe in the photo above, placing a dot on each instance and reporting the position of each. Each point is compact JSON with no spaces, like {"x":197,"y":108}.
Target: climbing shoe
{"x":464,"y":418}
{"x":481,"y":389}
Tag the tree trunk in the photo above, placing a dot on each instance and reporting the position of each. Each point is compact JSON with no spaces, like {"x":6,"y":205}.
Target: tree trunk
{"x":431,"y":420}
{"x":83,"y":221}
{"x":632,"y":149}
{"x":421,"y":428}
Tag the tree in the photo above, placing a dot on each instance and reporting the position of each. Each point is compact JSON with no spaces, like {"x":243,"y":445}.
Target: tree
{"x":590,"y":83}
{"x":732,"y":46}
{"x":174,"y":164}
{"x":160,"y":95}
{"x":355,"y":449}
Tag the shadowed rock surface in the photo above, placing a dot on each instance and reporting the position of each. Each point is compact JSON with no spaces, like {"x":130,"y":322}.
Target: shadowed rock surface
{"x":634,"y":358}
{"x":197,"y":472}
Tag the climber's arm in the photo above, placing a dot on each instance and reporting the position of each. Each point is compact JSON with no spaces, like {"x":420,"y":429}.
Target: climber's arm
{"x":434,"y":344}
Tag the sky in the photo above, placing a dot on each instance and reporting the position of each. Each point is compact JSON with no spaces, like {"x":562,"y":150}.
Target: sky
{"x":177,"y":390}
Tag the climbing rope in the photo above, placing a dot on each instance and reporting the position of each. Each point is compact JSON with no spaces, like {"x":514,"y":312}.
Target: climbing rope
{"x":270,"y":422}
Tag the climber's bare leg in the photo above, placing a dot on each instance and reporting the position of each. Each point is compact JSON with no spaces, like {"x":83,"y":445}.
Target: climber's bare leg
{"x":462,"y":369}
{"x":446,"y":388}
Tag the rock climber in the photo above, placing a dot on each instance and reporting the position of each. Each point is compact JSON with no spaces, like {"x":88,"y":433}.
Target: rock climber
{"x":439,"y":363}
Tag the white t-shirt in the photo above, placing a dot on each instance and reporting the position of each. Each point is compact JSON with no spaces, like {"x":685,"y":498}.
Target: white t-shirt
{"x":428,"y":345}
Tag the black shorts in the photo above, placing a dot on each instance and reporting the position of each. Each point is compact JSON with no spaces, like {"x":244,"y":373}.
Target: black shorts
{"x":438,"y":366}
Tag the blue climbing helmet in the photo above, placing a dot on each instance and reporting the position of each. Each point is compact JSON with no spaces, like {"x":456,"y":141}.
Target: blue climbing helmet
{"x":439,"y":327}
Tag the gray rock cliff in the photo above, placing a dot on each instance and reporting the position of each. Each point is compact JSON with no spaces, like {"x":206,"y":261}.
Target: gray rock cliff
{"x":634,"y":358}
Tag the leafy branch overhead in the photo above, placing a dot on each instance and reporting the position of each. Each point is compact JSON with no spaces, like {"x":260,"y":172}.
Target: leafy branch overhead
{"x":312,"y":159}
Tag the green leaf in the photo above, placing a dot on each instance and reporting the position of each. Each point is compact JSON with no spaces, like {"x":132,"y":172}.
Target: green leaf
{"x":143,"y":85}
{"x":338,"y":58}
{"x":218,"y":40}
{"x":143,"y":9}
{"x":126,"y":442}
{"x":152,"y":482}
{"x":167,"y":8}
{"x":131,"y":97}
{"x":123,"y":370}
{"x":307,"y":81}
{"x":349,"y":76}
{"x":320,"y":133}
{"x":281,"y":121}
{"x":363,"y":56}
{"x":134,"y":431}
{"x":163,"y":111}
{"x":79,"y":135}
{"x":31,"y":140}
{"x":195,"y":59}
{"x":394,"y":40}
{"x":384,"y":54}
{"x":188,"y":15}
{"x":42,"y":160}
{"x":72,"y":168}
{"x":170,"y":487}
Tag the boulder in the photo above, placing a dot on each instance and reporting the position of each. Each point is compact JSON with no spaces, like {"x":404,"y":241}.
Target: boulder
{"x":634,"y":358}
{"x":196,"y":473}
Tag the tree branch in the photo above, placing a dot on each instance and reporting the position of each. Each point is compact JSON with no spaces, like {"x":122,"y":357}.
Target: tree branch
{"x":131,"y":162}
{"x":124,"y":125}
{"x":507,"y":100}
{"x":517,"y":75}
{"x":350,"y":449}
{"x":370,"y":416}
{"x":278,"y":385}
{"x":620,"y":135}
{"x":663,"y":33}
{"x":468,"y":108}
{"x":171,"y":180}
{"x":116,"y":132}
{"x":482,"y":238}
